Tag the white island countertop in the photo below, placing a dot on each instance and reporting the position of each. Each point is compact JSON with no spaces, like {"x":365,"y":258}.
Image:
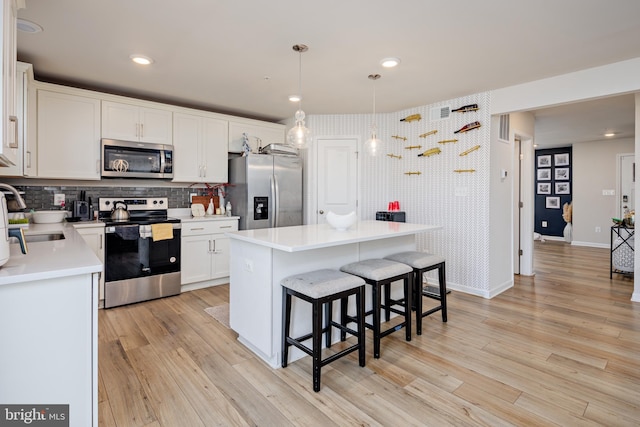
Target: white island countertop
{"x":315,"y":236}
{"x":49,"y":259}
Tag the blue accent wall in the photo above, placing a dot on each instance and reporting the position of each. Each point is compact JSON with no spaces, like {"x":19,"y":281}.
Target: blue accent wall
{"x":553,"y":188}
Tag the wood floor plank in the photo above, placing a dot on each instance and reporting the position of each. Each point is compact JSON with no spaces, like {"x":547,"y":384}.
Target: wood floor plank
{"x":559,"y":348}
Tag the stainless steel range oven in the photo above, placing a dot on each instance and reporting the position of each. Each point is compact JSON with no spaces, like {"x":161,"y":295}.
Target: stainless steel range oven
{"x":142,"y":253}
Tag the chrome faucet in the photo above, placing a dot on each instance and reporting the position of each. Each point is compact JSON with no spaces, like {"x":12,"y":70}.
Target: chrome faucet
{"x":16,"y":194}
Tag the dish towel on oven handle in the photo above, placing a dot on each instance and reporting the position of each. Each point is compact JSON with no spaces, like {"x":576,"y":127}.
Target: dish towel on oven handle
{"x":162,"y":231}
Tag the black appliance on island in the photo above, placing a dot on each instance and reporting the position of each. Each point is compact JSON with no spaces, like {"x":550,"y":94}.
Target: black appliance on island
{"x":395,"y":216}
{"x":142,"y":250}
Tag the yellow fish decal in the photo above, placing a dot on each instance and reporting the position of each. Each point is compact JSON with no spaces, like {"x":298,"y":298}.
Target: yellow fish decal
{"x":430,"y":152}
{"x":426,"y":134}
{"x":412,"y":118}
{"x":404,"y":138}
{"x":413,"y":173}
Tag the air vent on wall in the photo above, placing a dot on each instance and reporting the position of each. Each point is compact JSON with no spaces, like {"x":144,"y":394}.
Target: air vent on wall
{"x":504,"y":128}
{"x":439,"y":113}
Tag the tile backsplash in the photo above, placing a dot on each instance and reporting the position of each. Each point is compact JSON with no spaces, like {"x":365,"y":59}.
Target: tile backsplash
{"x":41,"y":197}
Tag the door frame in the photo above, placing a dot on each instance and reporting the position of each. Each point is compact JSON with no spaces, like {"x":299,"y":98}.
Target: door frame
{"x":524,"y":217}
{"x":619,"y":158}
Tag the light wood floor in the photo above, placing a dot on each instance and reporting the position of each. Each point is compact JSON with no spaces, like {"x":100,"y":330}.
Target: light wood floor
{"x":561,"y":348}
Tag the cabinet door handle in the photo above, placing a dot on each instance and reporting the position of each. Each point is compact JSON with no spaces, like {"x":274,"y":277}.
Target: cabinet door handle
{"x":196,"y":229}
{"x":28,"y":159}
{"x":137,"y":130}
{"x":14,"y":143}
{"x":141,"y":130}
{"x":225,"y":226}
{"x":204,"y":171}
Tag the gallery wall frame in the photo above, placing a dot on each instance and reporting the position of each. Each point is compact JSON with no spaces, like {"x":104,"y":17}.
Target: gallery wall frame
{"x":544,"y":188}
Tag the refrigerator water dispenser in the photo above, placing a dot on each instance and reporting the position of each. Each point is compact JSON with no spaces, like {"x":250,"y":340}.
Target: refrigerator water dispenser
{"x":260,"y":208}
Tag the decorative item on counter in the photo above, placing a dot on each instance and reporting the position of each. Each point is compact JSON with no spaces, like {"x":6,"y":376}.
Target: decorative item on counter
{"x":468,"y":127}
{"x":227,"y":209}
{"x":210,"y":208}
{"x":465,"y":108}
{"x":411,"y":118}
{"x":446,"y":141}
{"x":464,"y":170}
{"x":197,"y":210}
{"x":413,"y":173}
{"x":426,"y":134}
{"x":394,"y":156}
{"x":474,"y":148}
{"x":341,"y":222}
{"x":404,"y":138}
{"x":567,"y":214}
{"x":430,"y":152}
{"x":393,"y":206}
{"x":411,"y":147}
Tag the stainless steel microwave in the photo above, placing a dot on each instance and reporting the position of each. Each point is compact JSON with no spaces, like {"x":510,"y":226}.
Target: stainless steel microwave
{"x":129,"y":159}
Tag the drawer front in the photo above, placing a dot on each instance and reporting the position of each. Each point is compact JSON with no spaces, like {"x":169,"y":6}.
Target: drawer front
{"x":209,"y":227}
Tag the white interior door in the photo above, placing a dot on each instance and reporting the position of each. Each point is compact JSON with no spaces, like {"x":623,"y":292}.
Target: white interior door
{"x":337,"y":177}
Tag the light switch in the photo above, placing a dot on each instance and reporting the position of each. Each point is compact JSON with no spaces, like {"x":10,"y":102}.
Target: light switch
{"x":544,"y":224}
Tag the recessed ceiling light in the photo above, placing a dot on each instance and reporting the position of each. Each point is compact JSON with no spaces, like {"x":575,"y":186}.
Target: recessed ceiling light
{"x":28,"y":26}
{"x":141,"y":59}
{"x":295,"y":98}
{"x":390,"y":62}
{"x":609,"y":134}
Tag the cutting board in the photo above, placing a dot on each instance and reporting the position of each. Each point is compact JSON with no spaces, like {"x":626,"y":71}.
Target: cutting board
{"x":204,"y":201}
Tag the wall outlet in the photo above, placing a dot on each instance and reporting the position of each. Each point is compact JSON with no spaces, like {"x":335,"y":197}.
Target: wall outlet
{"x":544,"y":224}
{"x":58,"y":200}
{"x":598,"y":230}
{"x":191,"y":197}
{"x":248,"y":265}
{"x":608,"y":192}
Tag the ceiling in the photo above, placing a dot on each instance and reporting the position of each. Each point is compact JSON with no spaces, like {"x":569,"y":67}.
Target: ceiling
{"x":236,"y":57}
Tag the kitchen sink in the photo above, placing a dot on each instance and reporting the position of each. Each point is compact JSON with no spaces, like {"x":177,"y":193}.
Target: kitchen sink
{"x":33,"y":238}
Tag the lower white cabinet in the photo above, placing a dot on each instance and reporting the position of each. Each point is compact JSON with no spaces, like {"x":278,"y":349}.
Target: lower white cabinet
{"x":205,"y":250}
{"x":94,"y":237}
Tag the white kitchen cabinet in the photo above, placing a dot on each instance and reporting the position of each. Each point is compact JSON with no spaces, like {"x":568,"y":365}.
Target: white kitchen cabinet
{"x":94,"y":237}
{"x":68,"y":132}
{"x":260,"y":134}
{"x":200,"y":148}
{"x":130,"y":122}
{"x":25,"y":103}
{"x":8,"y":118}
{"x":205,"y":250}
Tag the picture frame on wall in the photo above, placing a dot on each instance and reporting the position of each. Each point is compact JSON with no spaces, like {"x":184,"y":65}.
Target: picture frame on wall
{"x":552,"y":202}
{"x":544,"y":161}
{"x":562,"y":188}
{"x":544,"y":188}
{"x":544,"y":174}
{"x":561,"y":159}
{"x":561,"y":173}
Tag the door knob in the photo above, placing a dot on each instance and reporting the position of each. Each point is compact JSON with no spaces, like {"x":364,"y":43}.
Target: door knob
{"x":321,"y":212}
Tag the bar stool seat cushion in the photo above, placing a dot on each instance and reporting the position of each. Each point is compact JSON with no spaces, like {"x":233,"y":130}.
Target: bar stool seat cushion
{"x":376,"y":269}
{"x":321,"y":283}
{"x":417,"y":259}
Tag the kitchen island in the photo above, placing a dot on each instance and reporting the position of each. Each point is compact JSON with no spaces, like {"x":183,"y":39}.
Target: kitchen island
{"x":261,"y":258}
{"x":48,"y":323}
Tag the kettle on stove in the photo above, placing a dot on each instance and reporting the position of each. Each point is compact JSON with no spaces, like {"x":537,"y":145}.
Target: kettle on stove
{"x":119,"y":213}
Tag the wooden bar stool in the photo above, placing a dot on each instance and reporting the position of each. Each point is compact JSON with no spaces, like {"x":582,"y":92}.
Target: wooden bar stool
{"x":380,"y":273}
{"x":421,"y":262}
{"x":321,"y":288}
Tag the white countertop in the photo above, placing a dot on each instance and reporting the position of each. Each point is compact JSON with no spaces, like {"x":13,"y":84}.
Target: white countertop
{"x":306,"y":237}
{"x":58,"y":258}
{"x":190,"y":218}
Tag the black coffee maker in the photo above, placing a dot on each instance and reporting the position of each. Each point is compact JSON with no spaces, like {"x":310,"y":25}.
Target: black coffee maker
{"x":82,"y":208}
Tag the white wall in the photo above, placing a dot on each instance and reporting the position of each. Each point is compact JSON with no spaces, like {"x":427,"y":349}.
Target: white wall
{"x":459,"y":202}
{"x":594,"y":170}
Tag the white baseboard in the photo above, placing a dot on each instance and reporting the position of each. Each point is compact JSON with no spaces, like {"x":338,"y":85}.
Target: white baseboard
{"x":591,"y":244}
{"x":205,"y":284}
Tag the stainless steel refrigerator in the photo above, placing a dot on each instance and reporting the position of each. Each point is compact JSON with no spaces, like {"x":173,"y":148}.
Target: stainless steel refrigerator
{"x":266,"y":190}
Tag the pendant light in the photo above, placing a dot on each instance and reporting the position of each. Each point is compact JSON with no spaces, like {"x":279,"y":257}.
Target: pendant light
{"x":299,"y":136}
{"x":373,"y":145}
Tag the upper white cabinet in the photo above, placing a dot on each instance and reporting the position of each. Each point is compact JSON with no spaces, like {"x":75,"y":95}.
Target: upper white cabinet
{"x":260,"y":134}
{"x":8,"y":106}
{"x":199,"y":148}
{"x":136,"y":123}
{"x":68,"y":132}
{"x":25,"y":161}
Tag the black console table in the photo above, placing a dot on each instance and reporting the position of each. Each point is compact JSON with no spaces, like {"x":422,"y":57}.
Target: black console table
{"x":623,"y":241}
